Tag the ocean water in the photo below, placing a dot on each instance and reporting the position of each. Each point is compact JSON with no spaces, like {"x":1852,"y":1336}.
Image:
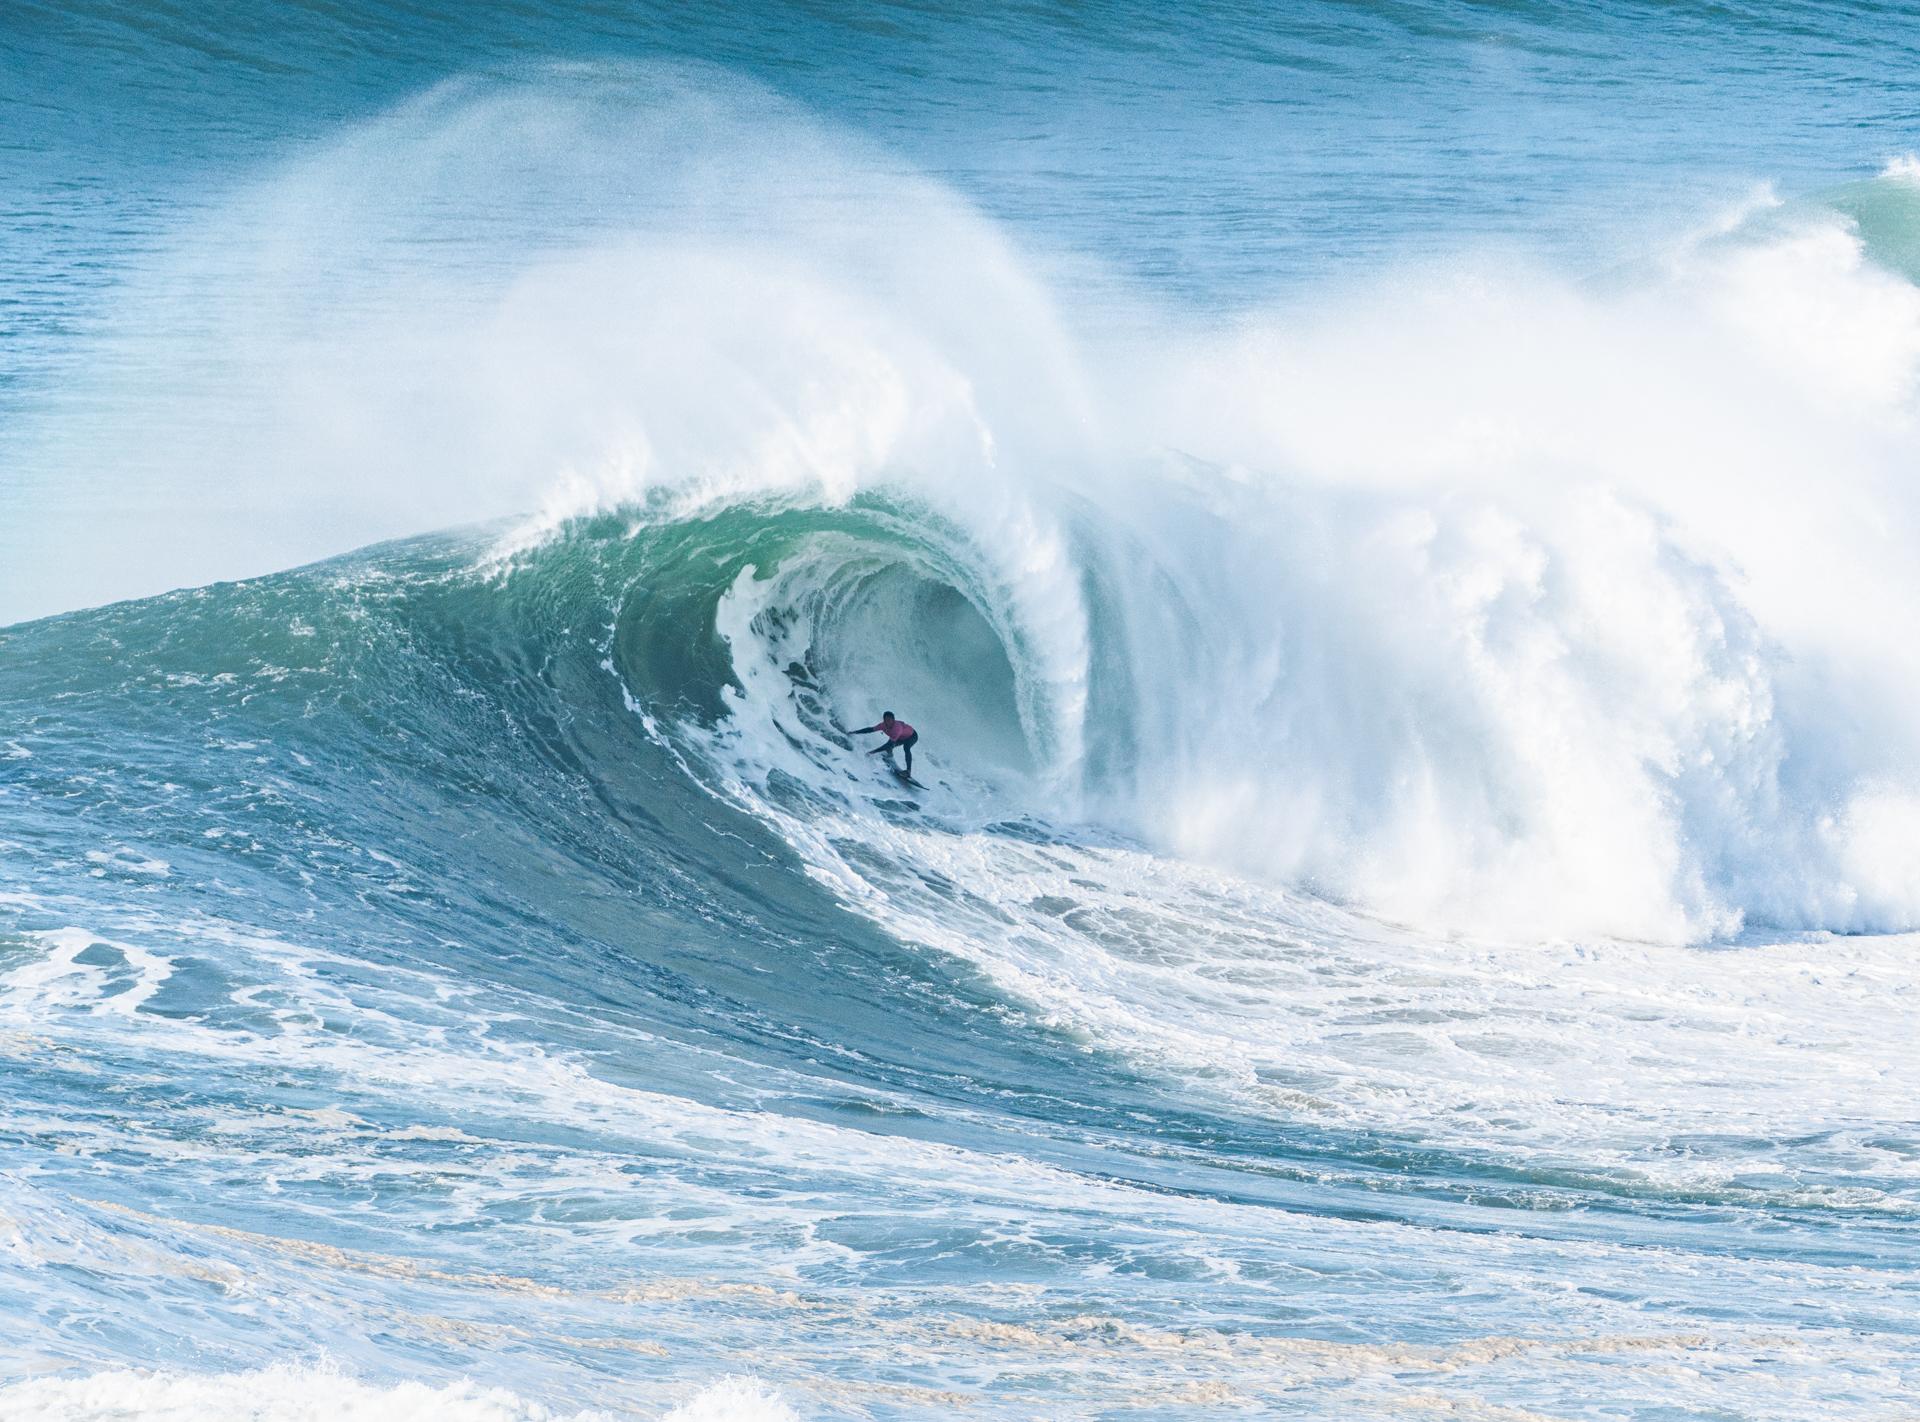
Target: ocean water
{"x":1397,"y":525}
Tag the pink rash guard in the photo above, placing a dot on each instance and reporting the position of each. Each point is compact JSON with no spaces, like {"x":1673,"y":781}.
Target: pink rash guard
{"x":900,"y":731}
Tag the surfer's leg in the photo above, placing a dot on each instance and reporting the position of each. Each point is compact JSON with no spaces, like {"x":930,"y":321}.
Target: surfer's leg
{"x":907,"y":747}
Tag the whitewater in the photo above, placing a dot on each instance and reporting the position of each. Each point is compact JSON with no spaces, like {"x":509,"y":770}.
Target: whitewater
{"x":1413,"y":902}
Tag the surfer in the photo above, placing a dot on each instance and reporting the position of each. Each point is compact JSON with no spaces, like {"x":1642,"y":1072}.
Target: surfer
{"x":900,"y":736}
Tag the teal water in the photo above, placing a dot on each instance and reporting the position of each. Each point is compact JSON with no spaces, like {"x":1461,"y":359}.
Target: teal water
{"x":1393,"y":523}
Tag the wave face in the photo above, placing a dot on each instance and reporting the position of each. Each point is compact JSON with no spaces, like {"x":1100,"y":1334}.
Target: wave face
{"x":1412,"y":899}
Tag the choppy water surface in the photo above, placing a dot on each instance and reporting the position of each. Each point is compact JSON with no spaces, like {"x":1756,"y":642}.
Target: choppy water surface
{"x":1394,"y":524}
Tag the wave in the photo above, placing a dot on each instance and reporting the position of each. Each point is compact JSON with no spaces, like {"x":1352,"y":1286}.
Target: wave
{"x":1478,"y":598}
{"x":603,"y":764}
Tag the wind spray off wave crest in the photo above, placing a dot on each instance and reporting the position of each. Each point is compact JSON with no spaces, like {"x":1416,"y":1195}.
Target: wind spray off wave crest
{"x":1481,"y":598}
{"x":1592,"y":587}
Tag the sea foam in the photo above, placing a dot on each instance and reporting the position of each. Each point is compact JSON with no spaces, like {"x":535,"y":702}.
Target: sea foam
{"x":290,"y":1392}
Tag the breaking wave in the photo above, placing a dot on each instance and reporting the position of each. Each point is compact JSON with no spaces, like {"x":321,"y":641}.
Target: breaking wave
{"x":1478,"y":597}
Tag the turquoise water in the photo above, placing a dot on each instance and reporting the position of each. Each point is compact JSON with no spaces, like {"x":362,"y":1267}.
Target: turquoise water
{"x":1394,"y":523}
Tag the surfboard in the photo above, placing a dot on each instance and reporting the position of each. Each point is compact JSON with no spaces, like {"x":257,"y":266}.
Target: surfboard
{"x":906,"y":779}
